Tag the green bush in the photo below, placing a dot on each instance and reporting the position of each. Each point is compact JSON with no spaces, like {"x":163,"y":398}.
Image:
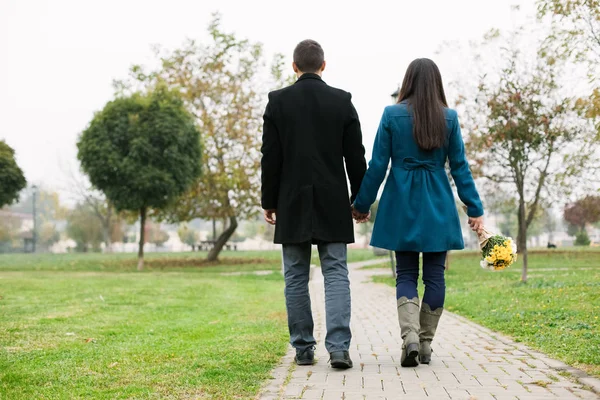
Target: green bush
{"x":582,"y":239}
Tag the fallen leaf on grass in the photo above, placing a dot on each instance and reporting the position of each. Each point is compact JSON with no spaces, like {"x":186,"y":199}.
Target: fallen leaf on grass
{"x":113,"y":365}
{"x":90,"y":340}
{"x":70,"y":334}
{"x":214,"y":322}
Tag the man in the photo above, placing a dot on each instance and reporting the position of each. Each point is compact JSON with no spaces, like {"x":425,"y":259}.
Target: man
{"x":309,"y":130}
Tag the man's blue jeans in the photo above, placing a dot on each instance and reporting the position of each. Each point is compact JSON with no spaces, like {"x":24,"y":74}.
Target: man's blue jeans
{"x":296,"y":260}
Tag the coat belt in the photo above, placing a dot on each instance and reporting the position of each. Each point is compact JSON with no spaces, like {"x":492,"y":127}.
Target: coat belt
{"x":411,"y":164}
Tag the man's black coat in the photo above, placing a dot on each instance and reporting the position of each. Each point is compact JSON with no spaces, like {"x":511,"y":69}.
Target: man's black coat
{"x":309,"y":130}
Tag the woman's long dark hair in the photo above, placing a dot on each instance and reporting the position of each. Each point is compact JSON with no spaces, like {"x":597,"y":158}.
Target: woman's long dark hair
{"x":423,"y":89}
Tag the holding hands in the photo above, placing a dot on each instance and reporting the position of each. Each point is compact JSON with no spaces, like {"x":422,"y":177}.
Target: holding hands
{"x":359,"y":217}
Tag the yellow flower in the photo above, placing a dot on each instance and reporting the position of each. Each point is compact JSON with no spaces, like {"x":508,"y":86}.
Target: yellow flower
{"x":501,"y":256}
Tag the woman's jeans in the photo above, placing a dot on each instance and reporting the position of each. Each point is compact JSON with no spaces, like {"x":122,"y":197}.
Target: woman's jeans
{"x":407,"y":275}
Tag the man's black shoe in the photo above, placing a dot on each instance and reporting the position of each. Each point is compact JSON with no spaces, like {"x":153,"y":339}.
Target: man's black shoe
{"x":340,"y":359}
{"x":306,"y":356}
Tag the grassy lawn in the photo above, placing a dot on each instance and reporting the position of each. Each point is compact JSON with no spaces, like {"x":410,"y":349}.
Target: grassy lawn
{"x":356,"y":255}
{"x":384,"y":265}
{"x":126,"y":262}
{"x":557,"y":311}
{"x":87,"y":326}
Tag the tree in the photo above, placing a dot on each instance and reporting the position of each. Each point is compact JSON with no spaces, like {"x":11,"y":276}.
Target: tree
{"x":142,"y":151}
{"x":576,"y":37}
{"x":104,"y":211}
{"x":101,"y":209}
{"x":155,"y":235}
{"x":576,"y":29}
{"x":188,"y":236}
{"x":583,"y":212}
{"x":582,"y":239}
{"x":256,"y":228}
{"x":12,"y":180}
{"x":504,"y":206}
{"x":220,"y":83}
{"x":118,"y":228}
{"x":10,"y":226}
{"x":48,"y":234}
{"x":523,"y":131}
{"x":48,"y":211}
{"x":48,"y":205}
{"x":84,"y":228}
{"x":549,"y":223}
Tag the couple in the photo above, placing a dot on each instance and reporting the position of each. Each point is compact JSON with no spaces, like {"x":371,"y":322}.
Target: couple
{"x":310,"y":131}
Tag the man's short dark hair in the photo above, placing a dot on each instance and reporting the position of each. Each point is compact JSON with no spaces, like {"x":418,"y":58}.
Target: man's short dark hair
{"x":309,"y":56}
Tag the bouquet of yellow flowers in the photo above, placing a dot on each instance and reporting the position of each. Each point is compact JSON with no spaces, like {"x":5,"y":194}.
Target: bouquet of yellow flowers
{"x":497,"y":252}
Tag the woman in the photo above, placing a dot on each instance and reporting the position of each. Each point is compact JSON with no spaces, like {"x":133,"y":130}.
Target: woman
{"x":417,"y":212}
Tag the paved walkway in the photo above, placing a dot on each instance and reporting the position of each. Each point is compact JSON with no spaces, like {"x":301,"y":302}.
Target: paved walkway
{"x":469,"y":361}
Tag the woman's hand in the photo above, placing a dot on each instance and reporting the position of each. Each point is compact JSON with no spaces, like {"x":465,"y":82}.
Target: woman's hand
{"x":476,"y":223}
{"x":360,"y":217}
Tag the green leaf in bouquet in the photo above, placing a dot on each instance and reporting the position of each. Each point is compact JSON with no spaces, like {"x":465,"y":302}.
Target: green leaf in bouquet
{"x":494,"y":240}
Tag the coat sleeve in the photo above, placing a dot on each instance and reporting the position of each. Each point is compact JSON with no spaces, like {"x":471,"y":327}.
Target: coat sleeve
{"x":271,"y":160}
{"x":354,"y":151}
{"x":378,"y":166}
{"x":461,"y":173}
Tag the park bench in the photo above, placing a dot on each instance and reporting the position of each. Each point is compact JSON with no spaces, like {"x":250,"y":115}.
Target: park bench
{"x":207,"y":245}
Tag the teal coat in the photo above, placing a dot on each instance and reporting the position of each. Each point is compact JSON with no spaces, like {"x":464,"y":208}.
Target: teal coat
{"x":417,"y":210}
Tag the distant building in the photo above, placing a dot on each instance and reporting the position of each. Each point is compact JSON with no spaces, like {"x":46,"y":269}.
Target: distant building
{"x":22,"y":224}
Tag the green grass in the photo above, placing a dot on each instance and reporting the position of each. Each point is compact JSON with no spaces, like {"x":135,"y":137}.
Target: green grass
{"x":383,"y":265}
{"x":126,"y":262}
{"x":354,"y":255}
{"x":88,"y":326}
{"x":557,"y":311}
{"x":357,"y":255}
{"x":72,"y":330}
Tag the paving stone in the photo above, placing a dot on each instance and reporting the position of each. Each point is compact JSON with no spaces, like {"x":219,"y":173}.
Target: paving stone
{"x":469,"y":362}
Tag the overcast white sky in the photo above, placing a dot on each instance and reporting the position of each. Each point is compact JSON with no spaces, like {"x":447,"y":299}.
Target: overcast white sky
{"x":58,"y":58}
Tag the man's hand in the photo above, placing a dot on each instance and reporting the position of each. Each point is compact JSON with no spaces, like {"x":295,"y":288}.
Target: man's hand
{"x":360,"y":217}
{"x":270,"y":216}
{"x":476,"y":224}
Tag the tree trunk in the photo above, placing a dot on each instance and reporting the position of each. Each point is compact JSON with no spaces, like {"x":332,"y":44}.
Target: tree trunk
{"x":214,"y":230}
{"x":522,"y":239}
{"x":106,"y":226}
{"x":106,"y":235}
{"x":142,"y":239}
{"x":213,"y":254}
{"x":448,"y":260}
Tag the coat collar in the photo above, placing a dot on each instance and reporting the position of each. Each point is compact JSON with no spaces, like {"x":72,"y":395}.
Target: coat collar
{"x":309,"y":76}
